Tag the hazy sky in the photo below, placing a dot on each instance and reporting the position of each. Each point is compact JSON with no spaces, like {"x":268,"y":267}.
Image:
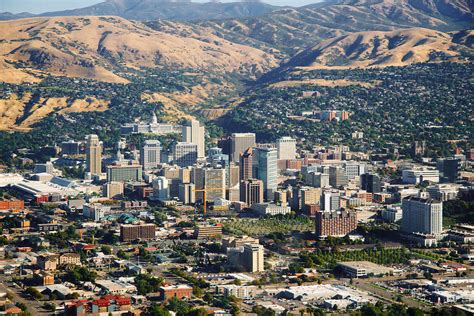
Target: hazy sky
{"x":39,"y":6}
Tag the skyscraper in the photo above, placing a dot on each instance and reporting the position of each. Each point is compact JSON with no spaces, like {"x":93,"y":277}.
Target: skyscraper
{"x":194,"y":133}
{"x":449,"y":169}
{"x":337,"y":176}
{"x":93,"y":155}
{"x":286,"y":147}
{"x":184,"y":154}
{"x":125,"y":171}
{"x":330,"y":201}
{"x":150,"y":154}
{"x":422,"y":216}
{"x":265,"y":168}
{"x":246,"y":164}
{"x":161,"y":189}
{"x":370,"y":183}
{"x":252,"y":258}
{"x":240,"y":142}
{"x":251,"y":191}
{"x":210,"y":178}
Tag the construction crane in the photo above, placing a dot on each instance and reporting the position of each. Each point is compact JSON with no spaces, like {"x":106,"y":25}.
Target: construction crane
{"x":204,"y":191}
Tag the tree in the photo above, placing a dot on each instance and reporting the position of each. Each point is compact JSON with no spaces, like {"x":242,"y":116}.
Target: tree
{"x":198,"y":312}
{"x":50,"y":306}
{"x":178,"y":306}
{"x":80,"y":274}
{"x":197,"y":291}
{"x":146,"y":284}
{"x":107,"y":250}
{"x":158,"y":310}
{"x":34,"y":293}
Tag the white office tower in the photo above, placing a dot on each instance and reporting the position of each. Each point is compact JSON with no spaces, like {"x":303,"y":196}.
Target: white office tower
{"x":423,"y":216}
{"x":239,"y":144}
{"x":161,"y":190}
{"x":186,"y":193}
{"x":354,"y":169}
{"x":265,"y":168}
{"x":150,"y":154}
{"x":184,"y":154}
{"x":194,"y":133}
{"x":93,"y":155}
{"x":286,"y":147}
{"x":330,"y":201}
{"x":252,"y":258}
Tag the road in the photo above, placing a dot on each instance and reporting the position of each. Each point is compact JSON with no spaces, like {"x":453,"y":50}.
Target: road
{"x":34,"y":307}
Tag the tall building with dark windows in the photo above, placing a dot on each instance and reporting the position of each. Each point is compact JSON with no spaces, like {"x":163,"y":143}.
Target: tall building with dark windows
{"x":370,"y":182}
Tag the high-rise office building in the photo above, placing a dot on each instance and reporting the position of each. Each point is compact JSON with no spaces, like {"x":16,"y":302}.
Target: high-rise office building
{"x":185,"y":154}
{"x":240,"y":142}
{"x":337,"y":176}
{"x":186,"y":193}
{"x":449,"y":169}
{"x":310,"y":196}
{"x":246,"y":164}
{"x":353,"y":169}
{"x":93,"y":155}
{"x":194,"y":133}
{"x":161,"y":190}
{"x":113,"y":190}
{"x":422,"y":216}
{"x":252,"y":258}
{"x":370,"y":182}
{"x":150,"y":154}
{"x":330,"y":201}
{"x":233,"y":176}
{"x":320,"y":180}
{"x":335,"y":223}
{"x":265,"y":168}
{"x":125,"y":171}
{"x":286,"y":147}
{"x":251,"y":191}
{"x":212,"y":180}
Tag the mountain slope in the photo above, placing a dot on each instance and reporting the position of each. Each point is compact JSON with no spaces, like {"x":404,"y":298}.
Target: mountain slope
{"x":175,"y":10}
{"x":381,"y":49}
{"x":100,"y":48}
{"x":294,"y":29}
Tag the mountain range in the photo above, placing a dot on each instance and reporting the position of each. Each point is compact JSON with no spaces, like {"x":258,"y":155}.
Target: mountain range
{"x":145,"y":10}
{"x":244,"y":41}
{"x":293,"y":29}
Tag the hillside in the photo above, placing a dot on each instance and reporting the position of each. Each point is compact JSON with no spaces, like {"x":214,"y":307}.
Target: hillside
{"x":145,"y":10}
{"x":382,"y":49}
{"x":294,"y":29}
{"x":103,"y":48}
{"x":131,"y":59}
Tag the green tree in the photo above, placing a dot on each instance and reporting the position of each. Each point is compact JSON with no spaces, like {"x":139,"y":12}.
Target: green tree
{"x":158,"y":310}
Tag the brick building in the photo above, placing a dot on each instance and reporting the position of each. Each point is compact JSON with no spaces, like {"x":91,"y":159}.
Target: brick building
{"x":335,"y":223}
{"x":134,"y":232}
{"x":12,"y":205}
{"x":179,"y":291}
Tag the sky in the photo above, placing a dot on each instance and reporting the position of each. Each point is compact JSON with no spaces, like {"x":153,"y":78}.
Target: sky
{"x":40,"y":6}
